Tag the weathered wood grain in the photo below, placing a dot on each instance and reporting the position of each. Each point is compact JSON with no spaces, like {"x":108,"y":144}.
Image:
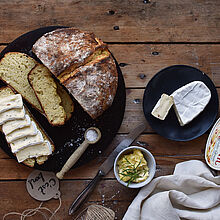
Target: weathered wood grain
{"x":140,"y":62}
{"x":144,"y":61}
{"x":108,"y":193}
{"x":2,"y":47}
{"x":158,"y":21}
{"x":144,"y":38}
{"x":167,"y":153}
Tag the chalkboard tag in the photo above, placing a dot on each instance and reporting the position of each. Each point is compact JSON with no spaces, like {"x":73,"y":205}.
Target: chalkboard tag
{"x":43,"y":185}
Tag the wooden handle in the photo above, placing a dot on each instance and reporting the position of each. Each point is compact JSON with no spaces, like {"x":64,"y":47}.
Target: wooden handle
{"x":85,"y":193}
{"x":73,"y":159}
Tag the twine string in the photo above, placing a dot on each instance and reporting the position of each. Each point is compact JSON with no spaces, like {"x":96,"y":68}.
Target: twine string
{"x":30,"y":212}
{"x":97,"y":212}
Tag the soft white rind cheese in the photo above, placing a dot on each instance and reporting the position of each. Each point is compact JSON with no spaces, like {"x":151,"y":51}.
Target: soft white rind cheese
{"x":11,"y":102}
{"x":43,"y":149}
{"x":12,"y":114}
{"x":24,"y":142}
{"x":190,"y":100}
{"x":162,"y":107}
{"x":22,"y":132}
{"x":11,"y":126}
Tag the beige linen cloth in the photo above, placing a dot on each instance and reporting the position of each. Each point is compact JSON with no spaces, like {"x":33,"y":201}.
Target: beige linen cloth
{"x":192,"y":192}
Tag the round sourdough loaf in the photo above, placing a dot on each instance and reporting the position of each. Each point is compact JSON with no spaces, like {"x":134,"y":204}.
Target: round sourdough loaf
{"x":83,"y":64}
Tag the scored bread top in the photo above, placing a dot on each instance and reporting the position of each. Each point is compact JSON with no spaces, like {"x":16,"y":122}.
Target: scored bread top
{"x":65,"y":49}
{"x":14,"y":68}
{"x":94,"y":85}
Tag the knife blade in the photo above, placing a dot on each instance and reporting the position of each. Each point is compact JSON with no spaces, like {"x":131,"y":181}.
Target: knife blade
{"x":106,"y":166}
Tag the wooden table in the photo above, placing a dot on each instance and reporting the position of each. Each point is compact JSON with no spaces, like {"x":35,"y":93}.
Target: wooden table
{"x":144,"y":36}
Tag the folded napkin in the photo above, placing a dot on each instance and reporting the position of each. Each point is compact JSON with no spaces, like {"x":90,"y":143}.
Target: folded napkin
{"x":192,"y":192}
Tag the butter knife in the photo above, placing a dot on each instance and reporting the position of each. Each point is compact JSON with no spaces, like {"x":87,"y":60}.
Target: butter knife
{"x":106,"y":167}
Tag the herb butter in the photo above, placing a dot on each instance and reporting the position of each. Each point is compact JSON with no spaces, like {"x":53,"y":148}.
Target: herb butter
{"x":133,"y":167}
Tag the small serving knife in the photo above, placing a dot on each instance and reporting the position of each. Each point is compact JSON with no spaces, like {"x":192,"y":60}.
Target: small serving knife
{"x":106,"y":166}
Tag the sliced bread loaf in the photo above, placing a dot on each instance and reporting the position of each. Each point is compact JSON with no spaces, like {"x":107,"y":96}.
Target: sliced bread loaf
{"x":45,"y":89}
{"x":6,"y":91}
{"x":14,"y":68}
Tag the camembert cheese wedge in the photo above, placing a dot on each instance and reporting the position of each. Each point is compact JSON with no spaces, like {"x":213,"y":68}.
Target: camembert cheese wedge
{"x":190,"y":100}
{"x":11,"y":114}
{"x":43,"y":149}
{"x":27,"y":141}
{"x":11,"y":102}
{"x":22,"y":132}
{"x":11,"y":126}
{"x":162,"y":107}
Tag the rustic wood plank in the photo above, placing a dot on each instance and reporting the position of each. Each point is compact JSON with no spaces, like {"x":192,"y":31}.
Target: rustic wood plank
{"x":11,"y":170}
{"x":158,"y":21}
{"x":142,"y":62}
{"x":167,"y":153}
{"x":108,"y":193}
{"x":158,"y":145}
{"x":2,"y":47}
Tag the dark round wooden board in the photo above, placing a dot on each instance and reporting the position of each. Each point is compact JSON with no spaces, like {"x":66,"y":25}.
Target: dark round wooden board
{"x":68,"y":137}
{"x":167,"y":81}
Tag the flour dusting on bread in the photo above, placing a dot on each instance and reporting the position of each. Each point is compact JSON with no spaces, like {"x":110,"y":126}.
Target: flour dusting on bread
{"x":83,"y":64}
{"x":62,"y":48}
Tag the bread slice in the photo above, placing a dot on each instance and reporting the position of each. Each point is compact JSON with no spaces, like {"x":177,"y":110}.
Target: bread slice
{"x":6,"y":91}
{"x":14,"y":68}
{"x":66,"y":101}
{"x":94,"y":85}
{"x":65,"y":49}
{"x":46,"y":91}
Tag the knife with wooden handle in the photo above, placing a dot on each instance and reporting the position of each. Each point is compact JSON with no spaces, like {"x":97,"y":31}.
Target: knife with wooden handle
{"x":106,"y":166}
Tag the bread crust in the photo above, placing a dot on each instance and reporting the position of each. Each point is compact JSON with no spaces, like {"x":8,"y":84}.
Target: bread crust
{"x":83,"y":65}
{"x":15,"y":89}
{"x":65,"y":49}
{"x":53,"y":85}
{"x":94,"y":85}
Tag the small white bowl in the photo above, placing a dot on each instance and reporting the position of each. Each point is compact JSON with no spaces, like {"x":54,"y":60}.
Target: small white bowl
{"x":150,"y":163}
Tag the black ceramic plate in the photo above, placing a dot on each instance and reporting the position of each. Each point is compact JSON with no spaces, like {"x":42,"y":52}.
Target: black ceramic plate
{"x":68,"y":137}
{"x":167,"y":81}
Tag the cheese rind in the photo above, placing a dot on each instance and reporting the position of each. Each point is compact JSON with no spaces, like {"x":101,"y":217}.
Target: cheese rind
{"x":22,"y":132}
{"x":43,"y":149}
{"x":11,"y":102}
{"x":11,"y":126}
{"x":28,"y":141}
{"x":12,"y":114}
{"x":162,"y":107}
{"x":190,"y":100}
